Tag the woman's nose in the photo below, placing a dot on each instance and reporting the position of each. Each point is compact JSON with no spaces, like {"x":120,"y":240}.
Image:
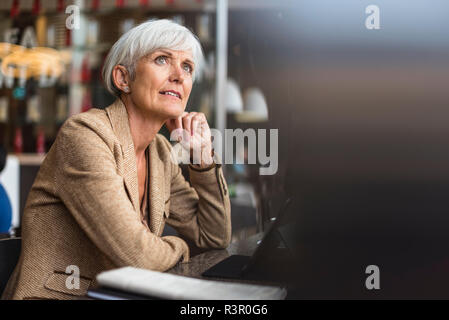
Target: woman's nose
{"x":176,"y":74}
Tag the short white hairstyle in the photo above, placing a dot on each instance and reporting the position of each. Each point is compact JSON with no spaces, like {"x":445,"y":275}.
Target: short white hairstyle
{"x":145,"y":39}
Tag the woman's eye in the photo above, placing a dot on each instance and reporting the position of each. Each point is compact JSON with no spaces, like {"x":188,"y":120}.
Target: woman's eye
{"x":188,"y":68}
{"x":161,"y":59}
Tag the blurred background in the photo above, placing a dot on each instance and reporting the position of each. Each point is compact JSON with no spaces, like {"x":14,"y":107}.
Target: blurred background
{"x":362,"y":113}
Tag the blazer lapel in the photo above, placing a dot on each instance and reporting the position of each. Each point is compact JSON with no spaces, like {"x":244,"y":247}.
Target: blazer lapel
{"x":120,"y":124}
{"x":157,"y":185}
{"x":130,"y":175}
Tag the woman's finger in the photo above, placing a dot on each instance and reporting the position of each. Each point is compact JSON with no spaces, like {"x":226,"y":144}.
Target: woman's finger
{"x":187,"y":122}
{"x":195,"y":126}
{"x":178,"y":120}
{"x":197,"y":123}
{"x":174,"y":126}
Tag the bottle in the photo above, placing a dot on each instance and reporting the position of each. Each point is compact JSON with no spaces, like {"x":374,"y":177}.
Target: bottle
{"x":4,"y":110}
{"x":17,"y":116}
{"x":87,"y":100}
{"x":62,"y":108}
{"x":40,"y":141}
{"x":86,"y":74}
{"x":33,"y":117}
{"x":18,"y":141}
{"x":62,"y":101}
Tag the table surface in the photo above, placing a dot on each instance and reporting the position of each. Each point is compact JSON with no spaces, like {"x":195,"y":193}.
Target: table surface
{"x":201,"y":262}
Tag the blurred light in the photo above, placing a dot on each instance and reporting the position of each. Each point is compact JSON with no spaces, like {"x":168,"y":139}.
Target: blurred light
{"x":25,"y":63}
{"x":255,"y":106}
{"x":234,"y":103}
{"x":8,"y":48}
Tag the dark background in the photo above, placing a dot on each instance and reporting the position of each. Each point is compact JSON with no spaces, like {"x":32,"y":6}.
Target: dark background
{"x":363,"y":128}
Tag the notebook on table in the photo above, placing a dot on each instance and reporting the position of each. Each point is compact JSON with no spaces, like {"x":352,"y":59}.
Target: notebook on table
{"x":142,"y":282}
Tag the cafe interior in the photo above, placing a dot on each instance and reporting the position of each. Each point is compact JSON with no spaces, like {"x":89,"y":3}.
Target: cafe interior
{"x":359,"y":116}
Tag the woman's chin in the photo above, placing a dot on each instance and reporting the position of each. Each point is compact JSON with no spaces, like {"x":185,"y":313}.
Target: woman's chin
{"x":174,"y":111}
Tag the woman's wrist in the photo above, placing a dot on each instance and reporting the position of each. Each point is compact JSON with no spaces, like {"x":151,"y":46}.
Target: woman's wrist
{"x":207,"y":159}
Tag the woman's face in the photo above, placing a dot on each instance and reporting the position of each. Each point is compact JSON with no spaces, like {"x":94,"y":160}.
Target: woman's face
{"x":162,"y":84}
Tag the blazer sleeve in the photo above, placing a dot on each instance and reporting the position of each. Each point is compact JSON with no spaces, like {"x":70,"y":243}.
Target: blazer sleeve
{"x":200,"y":211}
{"x":94,"y":193}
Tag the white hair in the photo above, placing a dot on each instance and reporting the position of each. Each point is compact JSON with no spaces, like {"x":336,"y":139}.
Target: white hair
{"x":145,"y":39}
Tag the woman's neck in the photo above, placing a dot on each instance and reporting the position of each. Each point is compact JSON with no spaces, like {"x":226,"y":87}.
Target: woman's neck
{"x":143,"y":127}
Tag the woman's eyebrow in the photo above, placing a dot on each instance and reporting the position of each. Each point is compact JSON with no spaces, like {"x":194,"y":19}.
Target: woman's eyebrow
{"x":168,"y":53}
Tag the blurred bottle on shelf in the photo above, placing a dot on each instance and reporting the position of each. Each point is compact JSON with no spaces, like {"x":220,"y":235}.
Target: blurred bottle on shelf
{"x":68,"y":37}
{"x":127,"y":25}
{"x":179,"y":19}
{"x":86,"y":74}
{"x":62,"y":106}
{"x":87,"y":100}
{"x":51,"y":36}
{"x":36,"y":7}
{"x":95,"y":5}
{"x":92,"y":33}
{"x":4,"y":111}
{"x":62,"y":99}
{"x":40,"y":141}
{"x":144,"y":3}
{"x":60,"y":6}
{"x":17,"y":115}
{"x":33,"y":117}
{"x":15,"y":8}
{"x":18,"y":141}
{"x":203,"y":27}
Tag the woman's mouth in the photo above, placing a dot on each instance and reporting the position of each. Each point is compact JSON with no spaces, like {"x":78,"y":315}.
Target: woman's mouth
{"x":171,"y":93}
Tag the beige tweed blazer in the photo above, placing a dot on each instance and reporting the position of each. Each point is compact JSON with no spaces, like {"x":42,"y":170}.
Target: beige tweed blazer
{"x":83,"y":209}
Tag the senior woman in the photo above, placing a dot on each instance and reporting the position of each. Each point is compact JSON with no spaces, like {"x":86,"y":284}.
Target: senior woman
{"x":108,"y":184}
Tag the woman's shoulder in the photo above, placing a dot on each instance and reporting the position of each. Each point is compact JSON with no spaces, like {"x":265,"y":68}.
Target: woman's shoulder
{"x":85,"y":139}
{"x":91,"y":127}
{"x":93,"y":120}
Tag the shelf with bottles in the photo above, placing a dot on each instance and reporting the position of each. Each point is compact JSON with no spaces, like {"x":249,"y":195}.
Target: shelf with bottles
{"x":62,"y":7}
{"x":108,"y":26}
{"x":29,"y":117}
{"x":147,"y":6}
{"x":104,"y":22}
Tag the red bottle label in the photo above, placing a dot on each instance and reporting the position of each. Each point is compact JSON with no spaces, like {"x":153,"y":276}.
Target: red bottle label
{"x":18,"y":141}
{"x":40,"y":142}
{"x":36,"y":7}
{"x":15,"y":8}
{"x":60,"y":5}
{"x":95,"y":4}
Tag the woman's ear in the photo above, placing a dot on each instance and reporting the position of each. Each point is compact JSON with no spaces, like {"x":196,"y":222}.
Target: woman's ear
{"x":120,"y":77}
